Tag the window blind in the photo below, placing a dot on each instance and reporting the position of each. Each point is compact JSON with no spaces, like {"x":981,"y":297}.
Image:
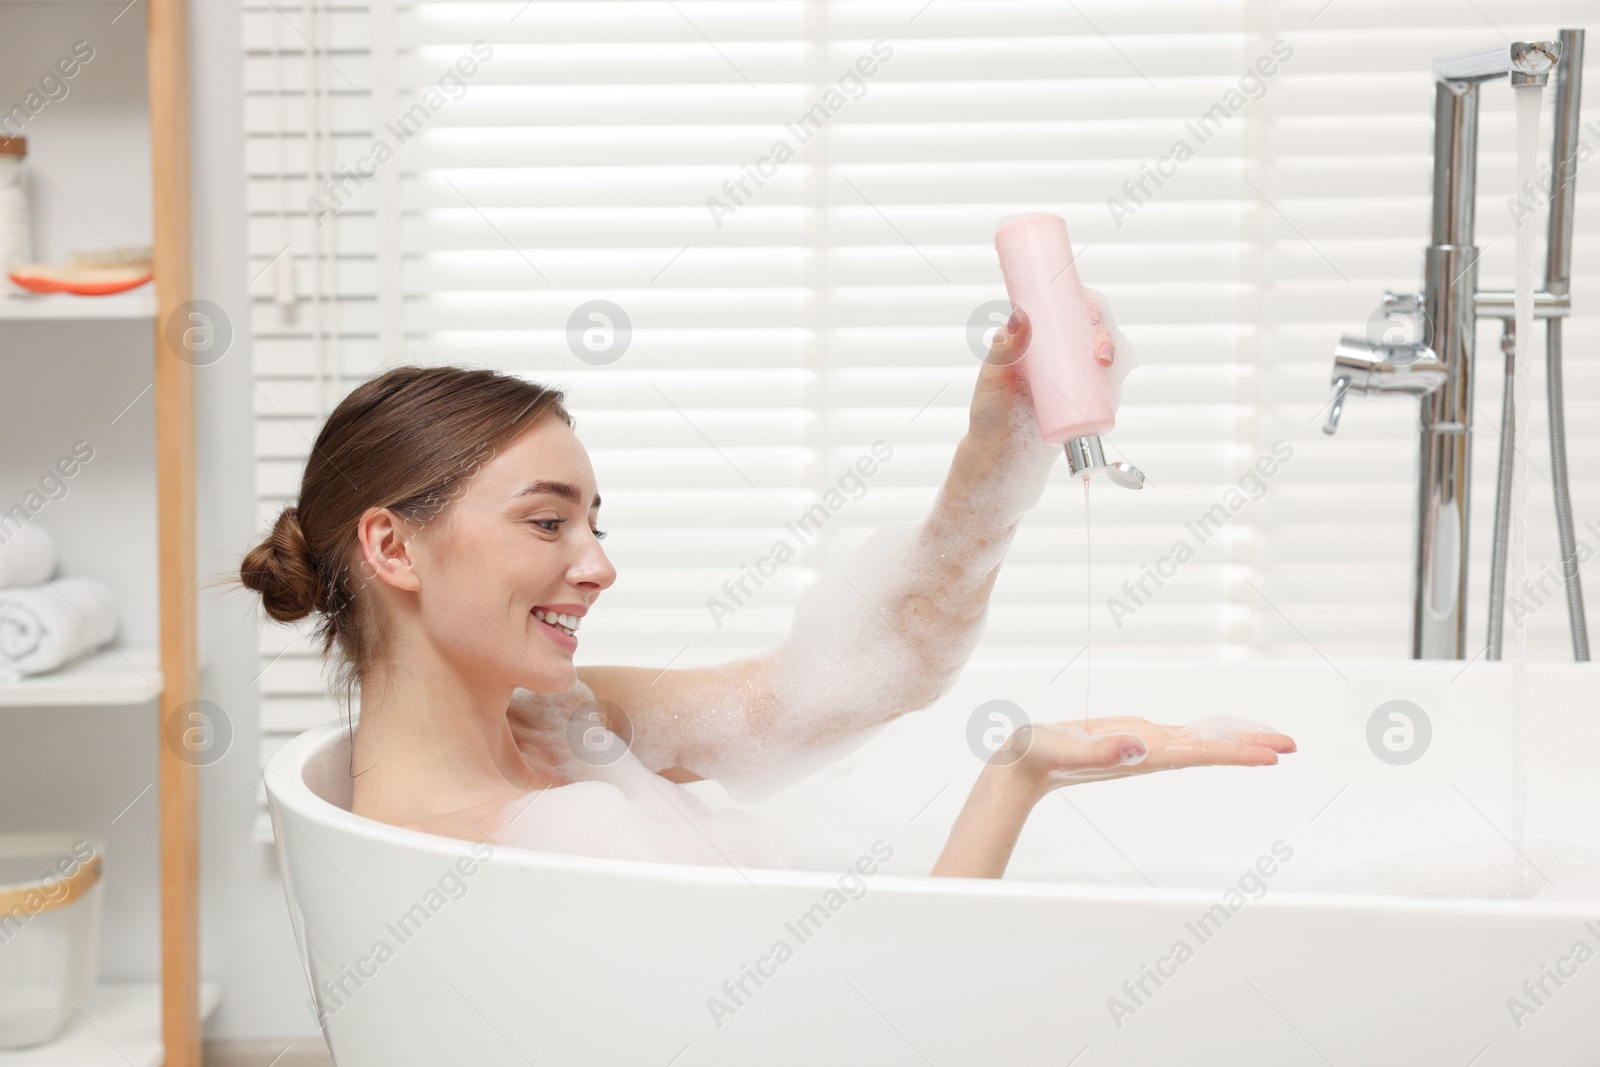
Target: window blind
{"x":754,"y":239}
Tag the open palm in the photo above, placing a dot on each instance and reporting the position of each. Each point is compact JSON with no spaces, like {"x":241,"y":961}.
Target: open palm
{"x":1089,"y":750}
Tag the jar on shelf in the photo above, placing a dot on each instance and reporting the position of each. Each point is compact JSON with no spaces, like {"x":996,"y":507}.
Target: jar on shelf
{"x":16,"y":228}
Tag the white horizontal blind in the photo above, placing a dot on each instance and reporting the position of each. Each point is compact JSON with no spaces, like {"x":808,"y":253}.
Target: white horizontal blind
{"x":789,"y":306}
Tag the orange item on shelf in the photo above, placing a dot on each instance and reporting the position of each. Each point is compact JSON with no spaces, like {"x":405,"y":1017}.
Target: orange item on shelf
{"x":84,"y":281}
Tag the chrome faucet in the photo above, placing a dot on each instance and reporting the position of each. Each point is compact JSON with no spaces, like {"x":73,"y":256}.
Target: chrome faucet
{"x":1434,"y":361}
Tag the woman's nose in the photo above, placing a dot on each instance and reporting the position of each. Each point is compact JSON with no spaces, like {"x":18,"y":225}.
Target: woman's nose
{"x":595,"y":567}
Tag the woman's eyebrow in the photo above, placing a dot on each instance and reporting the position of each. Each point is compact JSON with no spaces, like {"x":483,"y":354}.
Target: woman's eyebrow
{"x":565,"y":490}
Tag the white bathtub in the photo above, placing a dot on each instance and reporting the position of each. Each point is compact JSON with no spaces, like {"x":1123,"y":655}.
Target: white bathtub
{"x":548,"y":959}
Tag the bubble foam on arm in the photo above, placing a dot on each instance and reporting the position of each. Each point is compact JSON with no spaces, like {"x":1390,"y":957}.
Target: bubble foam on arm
{"x":884,"y":631}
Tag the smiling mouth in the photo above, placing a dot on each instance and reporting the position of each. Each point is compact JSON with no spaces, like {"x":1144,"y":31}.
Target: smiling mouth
{"x":554,"y":621}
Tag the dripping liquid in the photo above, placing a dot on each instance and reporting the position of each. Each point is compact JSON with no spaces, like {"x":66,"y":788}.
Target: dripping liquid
{"x":1088,"y":602}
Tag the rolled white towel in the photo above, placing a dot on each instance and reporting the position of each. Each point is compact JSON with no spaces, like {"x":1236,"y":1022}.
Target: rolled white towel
{"x":45,"y":626}
{"x":27,"y":556}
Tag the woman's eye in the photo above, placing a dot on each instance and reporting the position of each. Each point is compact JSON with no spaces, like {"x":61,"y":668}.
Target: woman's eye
{"x":550,"y":524}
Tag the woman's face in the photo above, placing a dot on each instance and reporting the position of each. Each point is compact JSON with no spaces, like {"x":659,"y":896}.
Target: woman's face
{"x":520,"y":536}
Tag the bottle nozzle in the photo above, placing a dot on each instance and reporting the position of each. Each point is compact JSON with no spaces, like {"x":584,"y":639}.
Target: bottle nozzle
{"x":1086,"y":456}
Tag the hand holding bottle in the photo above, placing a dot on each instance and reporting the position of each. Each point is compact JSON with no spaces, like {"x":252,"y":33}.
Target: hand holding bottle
{"x":1002,"y":400}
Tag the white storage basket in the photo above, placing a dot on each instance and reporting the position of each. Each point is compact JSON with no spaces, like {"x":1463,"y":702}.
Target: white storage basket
{"x":51,"y":900}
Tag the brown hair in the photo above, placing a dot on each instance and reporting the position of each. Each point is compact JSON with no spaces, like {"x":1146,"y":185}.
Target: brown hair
{"x":408,"y":440}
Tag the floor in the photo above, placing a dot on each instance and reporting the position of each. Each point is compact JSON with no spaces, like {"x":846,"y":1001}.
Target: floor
{"x":267,"y":1054}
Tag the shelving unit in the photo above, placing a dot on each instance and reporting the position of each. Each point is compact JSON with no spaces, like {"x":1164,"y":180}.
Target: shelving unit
{"x":112,"y":676}
{"x":96,"y":189}
{"x":64,"y":307}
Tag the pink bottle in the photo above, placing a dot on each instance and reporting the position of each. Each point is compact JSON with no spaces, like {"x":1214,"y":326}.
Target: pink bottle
{"x":1070,"y":356}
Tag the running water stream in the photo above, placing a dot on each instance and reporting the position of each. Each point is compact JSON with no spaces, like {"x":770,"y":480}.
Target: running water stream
{"x":1528,"y":99}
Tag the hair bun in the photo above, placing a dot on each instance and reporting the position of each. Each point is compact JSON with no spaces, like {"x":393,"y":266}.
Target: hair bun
{"x":282,"y":571}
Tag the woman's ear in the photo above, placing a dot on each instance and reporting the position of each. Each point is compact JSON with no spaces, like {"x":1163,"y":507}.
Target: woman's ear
{"x":386,"y":550}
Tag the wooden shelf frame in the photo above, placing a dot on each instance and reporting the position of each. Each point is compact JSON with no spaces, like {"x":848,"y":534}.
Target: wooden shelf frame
{"x":168,"y":43}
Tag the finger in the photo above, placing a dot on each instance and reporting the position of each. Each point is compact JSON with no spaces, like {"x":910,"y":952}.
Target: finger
{"x":1097,"y":305}
{"x":1275,"y":741}
{"x":1110,"y":344}
{"x":1183,"y":736}
{"x":1010,"y":342}
{"x":1219,"y":753}
{"x":1262,"y":739}
{"x":1105,"y":348}
{"x":1231,"y":728}
{"x":1101,"y":308}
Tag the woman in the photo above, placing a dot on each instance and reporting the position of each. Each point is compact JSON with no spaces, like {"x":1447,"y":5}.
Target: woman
{"x":446,"y":532}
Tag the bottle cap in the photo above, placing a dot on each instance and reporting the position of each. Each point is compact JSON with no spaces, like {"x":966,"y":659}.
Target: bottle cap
{"x":1086,"y":456}
{"x":14,"y":146}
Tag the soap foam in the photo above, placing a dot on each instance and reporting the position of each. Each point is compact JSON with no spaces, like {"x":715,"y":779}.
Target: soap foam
{"x":620,"y":809}
{"x":858,"y":650}
{"x":880,"y":633}
{"x":884,"y":631}
{"x":1225,"y":728}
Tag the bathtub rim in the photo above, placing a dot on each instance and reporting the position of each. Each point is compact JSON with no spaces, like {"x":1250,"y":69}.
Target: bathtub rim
{"x":287,"y":792}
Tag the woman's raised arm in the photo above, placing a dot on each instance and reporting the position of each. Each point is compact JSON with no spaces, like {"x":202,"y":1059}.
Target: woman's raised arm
{"x":883,"y":632}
